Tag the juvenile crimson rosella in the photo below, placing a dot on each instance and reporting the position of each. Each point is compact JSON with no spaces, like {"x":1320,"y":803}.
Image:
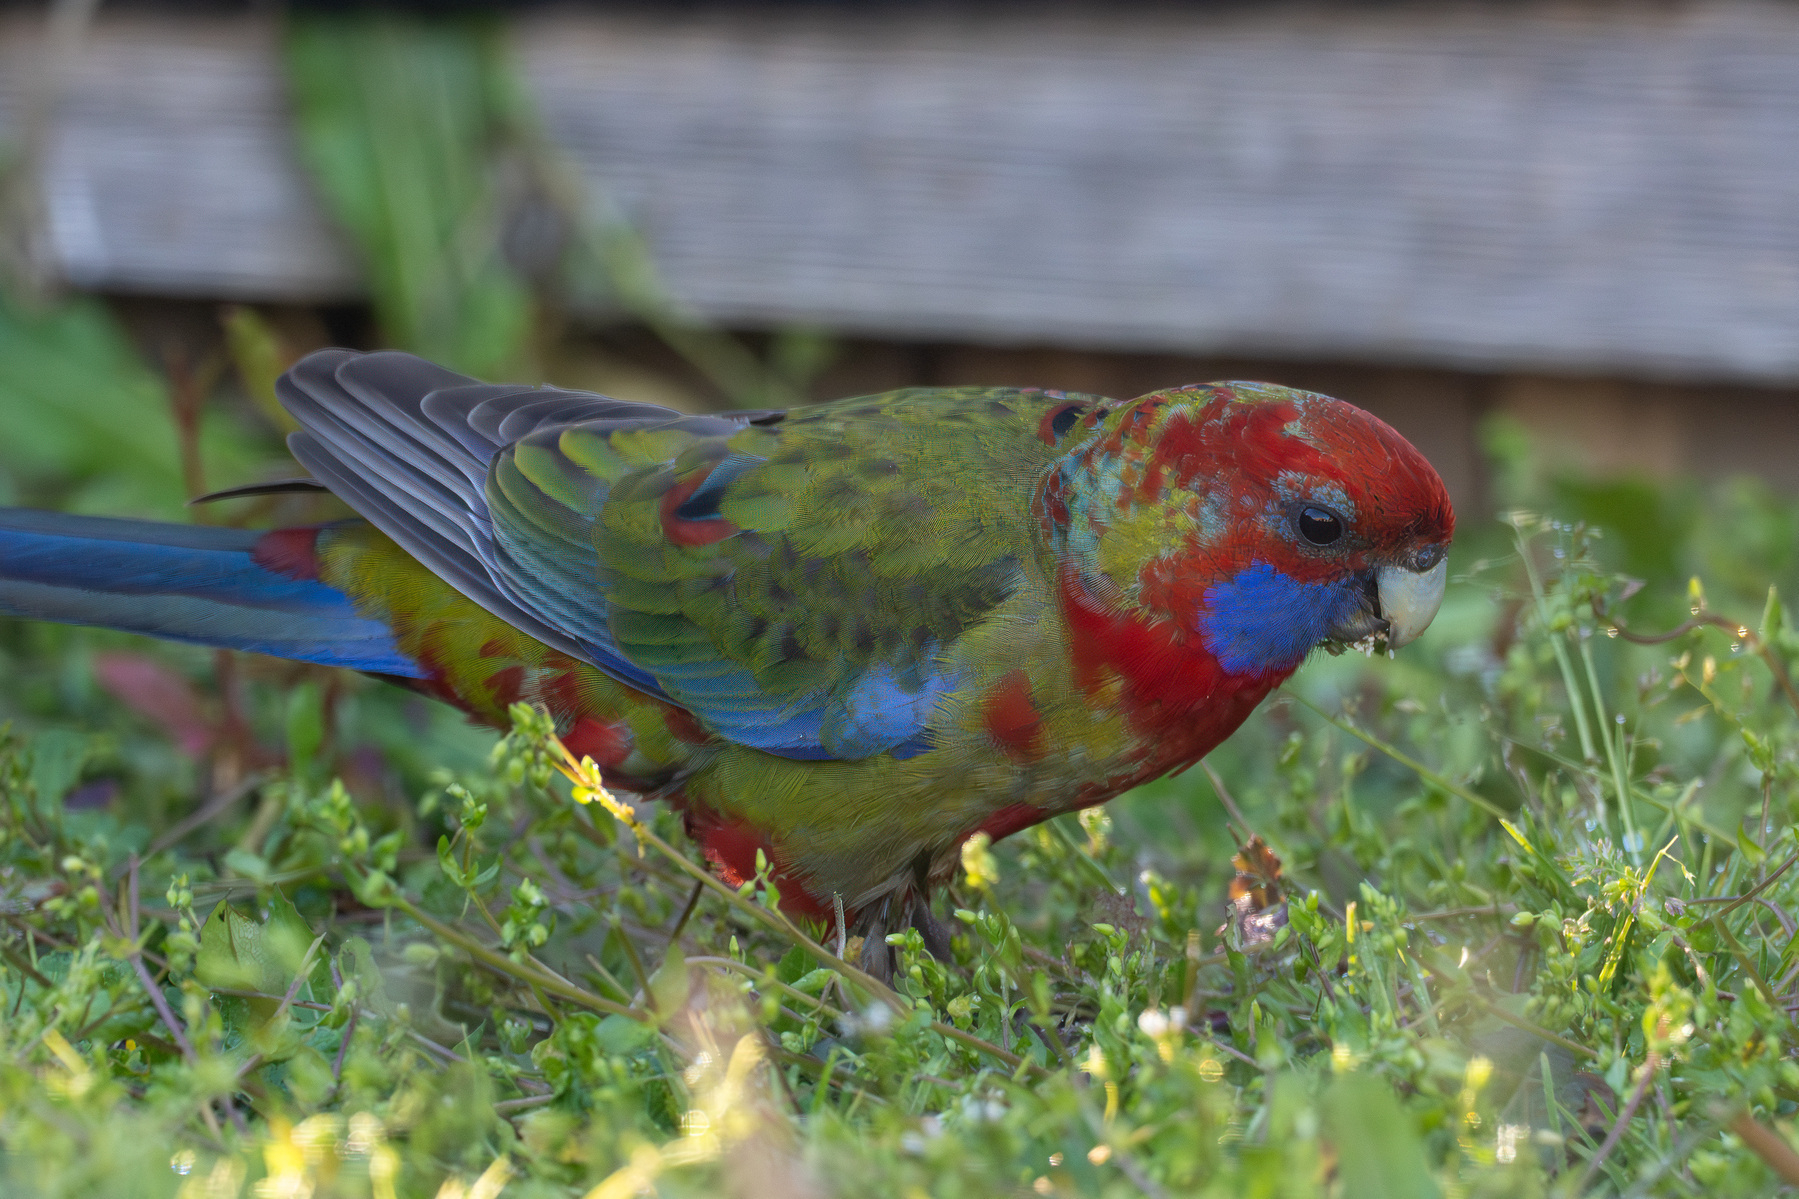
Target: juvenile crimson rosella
{"x":850,"y":635}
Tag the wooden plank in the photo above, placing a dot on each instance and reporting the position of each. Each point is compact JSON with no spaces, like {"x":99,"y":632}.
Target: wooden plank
{"x":1607,"y":188}
{"x":170,"y":168}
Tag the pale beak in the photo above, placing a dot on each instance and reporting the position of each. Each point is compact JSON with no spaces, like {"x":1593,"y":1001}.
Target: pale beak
{"x":1409,"y":599}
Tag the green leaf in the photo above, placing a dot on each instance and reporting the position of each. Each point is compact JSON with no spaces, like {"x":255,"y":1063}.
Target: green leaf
{"x":815,"y":982}
{"x":356,"y":962}
{"x":794,"y":965}
{"x":446,"y":862}
{"x":250,"y":865}
{"x":1379,"y":1154}
{"x":623,"y":1035}
{"x":305,"y":727}
{"x":254,"y":953}
{"x":668,"y":986}
{"x":1752,"y":853}
{"x":57,"y":756}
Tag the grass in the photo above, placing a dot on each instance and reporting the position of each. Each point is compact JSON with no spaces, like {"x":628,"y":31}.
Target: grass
{"x":1521,"y":922}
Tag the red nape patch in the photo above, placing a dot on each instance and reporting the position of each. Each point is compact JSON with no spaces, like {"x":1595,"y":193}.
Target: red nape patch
{"x":290,"y":552}
{"x":607,"y":744}
{"x":691,"y":532}
{"x":1012,"y":719}
{"x":731,"y":845}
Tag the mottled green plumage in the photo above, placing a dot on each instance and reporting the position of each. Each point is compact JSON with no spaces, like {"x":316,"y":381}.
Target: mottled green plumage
{"x":868,"y":533}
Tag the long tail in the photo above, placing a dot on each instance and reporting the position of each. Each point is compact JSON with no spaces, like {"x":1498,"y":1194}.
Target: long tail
{"x":206,"y":586}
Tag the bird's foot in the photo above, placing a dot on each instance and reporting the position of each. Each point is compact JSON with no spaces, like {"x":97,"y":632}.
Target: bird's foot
{"x":873,"y":923}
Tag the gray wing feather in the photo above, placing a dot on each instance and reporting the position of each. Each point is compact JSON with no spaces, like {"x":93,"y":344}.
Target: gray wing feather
{"x":408,"y":445}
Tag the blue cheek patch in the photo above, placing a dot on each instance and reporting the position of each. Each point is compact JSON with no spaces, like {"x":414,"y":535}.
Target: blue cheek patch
{"x":1261,"y":620}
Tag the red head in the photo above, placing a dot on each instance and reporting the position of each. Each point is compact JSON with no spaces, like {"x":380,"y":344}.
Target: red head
{"x":1258,"y":520}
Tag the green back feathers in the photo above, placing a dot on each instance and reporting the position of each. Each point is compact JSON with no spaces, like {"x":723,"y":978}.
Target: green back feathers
{"x":780,"y":577}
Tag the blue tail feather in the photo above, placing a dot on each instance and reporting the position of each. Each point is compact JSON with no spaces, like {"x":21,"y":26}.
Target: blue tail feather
{"x":182,"y":583}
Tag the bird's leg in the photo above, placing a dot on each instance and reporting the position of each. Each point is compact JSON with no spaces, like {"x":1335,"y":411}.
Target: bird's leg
{"x":877,"y":956}
{"x":935,"y":933}
{"x":910,"y":906}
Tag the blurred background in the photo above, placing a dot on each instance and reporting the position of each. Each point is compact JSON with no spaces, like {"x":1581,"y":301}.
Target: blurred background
{"x":1554,"y":243}
{"x":1583,"y":217}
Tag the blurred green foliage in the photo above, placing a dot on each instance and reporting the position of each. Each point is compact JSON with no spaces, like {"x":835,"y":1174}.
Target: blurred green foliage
{"x":266,"y":929}
{"x":405,"y":126}
{"x":83,"y":419}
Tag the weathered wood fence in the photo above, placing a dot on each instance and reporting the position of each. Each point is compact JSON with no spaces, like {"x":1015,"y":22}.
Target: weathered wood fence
{"x":1610,"y":188}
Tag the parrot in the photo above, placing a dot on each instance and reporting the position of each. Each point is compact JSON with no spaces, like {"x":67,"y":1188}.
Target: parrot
{"x":840,"y":639}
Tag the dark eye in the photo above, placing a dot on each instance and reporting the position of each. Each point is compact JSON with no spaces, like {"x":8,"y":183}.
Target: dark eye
{"x":1320,"y":526}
